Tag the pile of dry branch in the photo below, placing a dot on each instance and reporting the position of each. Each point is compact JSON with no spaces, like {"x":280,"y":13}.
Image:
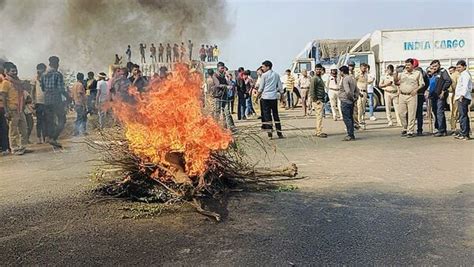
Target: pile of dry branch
{"x":140,"y":180}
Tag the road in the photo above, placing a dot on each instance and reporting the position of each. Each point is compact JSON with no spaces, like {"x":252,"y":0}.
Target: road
{"x":382,"y":199}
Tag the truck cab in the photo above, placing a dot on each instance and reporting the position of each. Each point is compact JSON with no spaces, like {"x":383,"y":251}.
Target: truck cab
{"x":325,"y":52}
{"x":301,"y":64}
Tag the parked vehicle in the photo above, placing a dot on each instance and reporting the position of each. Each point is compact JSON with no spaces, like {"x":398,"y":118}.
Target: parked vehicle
{"x":325,"y":52}
{"x":448,"y":44}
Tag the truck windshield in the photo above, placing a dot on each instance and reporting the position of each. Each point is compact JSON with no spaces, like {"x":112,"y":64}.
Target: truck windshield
{"x":359,"y":59}
{"x":302,"y":66}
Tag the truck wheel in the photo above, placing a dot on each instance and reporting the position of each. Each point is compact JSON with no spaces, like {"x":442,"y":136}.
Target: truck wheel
{"x":376,"y":101}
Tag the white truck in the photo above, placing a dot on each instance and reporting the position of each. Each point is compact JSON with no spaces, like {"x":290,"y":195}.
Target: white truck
{"x":447,"y":44}
{"x":326,"y":52}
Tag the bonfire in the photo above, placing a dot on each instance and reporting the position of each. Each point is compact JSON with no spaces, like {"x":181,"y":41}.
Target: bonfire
{"x":168,"y":148}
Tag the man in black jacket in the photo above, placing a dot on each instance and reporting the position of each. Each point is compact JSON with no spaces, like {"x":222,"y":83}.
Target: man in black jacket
{"x":317,"y":94}
{"x":438,"y":93}
{"x":221,"y":86}
{"x":241,"y":94}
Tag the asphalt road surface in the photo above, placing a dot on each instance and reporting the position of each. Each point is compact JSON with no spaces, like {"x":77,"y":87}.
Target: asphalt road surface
{"x":382,"y":199}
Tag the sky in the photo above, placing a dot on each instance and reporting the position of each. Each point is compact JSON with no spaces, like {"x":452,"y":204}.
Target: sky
{"x":278,"y":30}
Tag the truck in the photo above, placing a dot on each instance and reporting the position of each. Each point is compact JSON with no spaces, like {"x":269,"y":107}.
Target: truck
{"x":325,"y":52}
{"x":384,"y":47}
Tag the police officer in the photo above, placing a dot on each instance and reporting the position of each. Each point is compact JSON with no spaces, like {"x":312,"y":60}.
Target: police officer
{"x":410,"y":81}
{"x":362,"y":79}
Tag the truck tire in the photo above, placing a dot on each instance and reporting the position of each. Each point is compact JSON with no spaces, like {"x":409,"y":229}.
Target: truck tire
{"x":376,"y":101}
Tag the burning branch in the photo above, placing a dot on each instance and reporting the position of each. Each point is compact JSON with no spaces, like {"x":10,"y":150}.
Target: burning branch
{"x":169,"y":150}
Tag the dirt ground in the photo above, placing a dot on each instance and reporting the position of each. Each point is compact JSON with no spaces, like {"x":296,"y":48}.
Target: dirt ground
{"x":382,"y":199}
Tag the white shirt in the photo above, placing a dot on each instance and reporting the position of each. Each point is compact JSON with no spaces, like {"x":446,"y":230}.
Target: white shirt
{"x":325,"y":79}
{"x":102,"y":88}
{"x":370,"y":84}
{"x":270,"y":85}
{"x":464,"y":86}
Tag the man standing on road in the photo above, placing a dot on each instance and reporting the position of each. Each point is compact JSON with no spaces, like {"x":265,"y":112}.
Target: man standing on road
{"x":387,"y":84}
{"x":362,"y":79}
{"x":370,"y":93}
{"x":410,"y":81}
{"x":463,"y":98}
{"x":348,"y":94}
{"x":304,"y":84}
{"x":80,"y":101}
{"x":249,"y":85}
{"x":333,"y":93}
{"x":38,"y":100}
{"x":241,"y":94}
{"x":351,"y":66}
{"x":12,"y":93}
{"x":453,"y":107}
{"x":91,"y":92}
{"x":317,"y":94}
{"x":102,"y":97}
{"x":289,"y":84}
{"x":269,"y":89}
{"x":420,"y":99}
{"x":52,"y":84}
{"x":327,"y":105}
{"x":219,"y":91}
{"x":4,"y":142}
{"x":439,"y":93}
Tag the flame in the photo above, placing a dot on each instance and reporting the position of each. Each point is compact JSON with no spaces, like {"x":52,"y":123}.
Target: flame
{"x":168,"y":118}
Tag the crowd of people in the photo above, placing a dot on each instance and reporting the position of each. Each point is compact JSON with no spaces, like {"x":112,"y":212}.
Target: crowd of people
{"x":19,"y":101}
{"x":171,"y":53}
{"x":406,"y":88}
{"x":343,"y":93}
{"x":49,"y":98}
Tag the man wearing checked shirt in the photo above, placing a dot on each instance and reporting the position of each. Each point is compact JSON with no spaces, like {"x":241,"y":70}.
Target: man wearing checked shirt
{"x":52,"y":84}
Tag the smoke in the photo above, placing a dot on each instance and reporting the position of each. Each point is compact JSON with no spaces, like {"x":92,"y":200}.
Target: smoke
{"x":86,"y":34}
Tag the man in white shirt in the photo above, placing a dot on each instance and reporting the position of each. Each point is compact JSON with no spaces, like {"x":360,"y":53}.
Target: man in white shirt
{"x":370,"y":93}
{"x":333,"y":93}
{"x":463,"y":98}
{"x":269,"y":89}
{"x":101,"y":98}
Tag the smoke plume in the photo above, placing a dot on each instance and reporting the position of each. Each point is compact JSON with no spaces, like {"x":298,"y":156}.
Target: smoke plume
{"x":86,"y":34}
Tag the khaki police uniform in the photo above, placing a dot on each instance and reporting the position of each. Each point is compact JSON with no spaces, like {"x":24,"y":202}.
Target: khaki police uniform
{"x":391,"y":98}
{"x":453,"y":107}
{"x":410,"y":83}
{"x":362,"y":83}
